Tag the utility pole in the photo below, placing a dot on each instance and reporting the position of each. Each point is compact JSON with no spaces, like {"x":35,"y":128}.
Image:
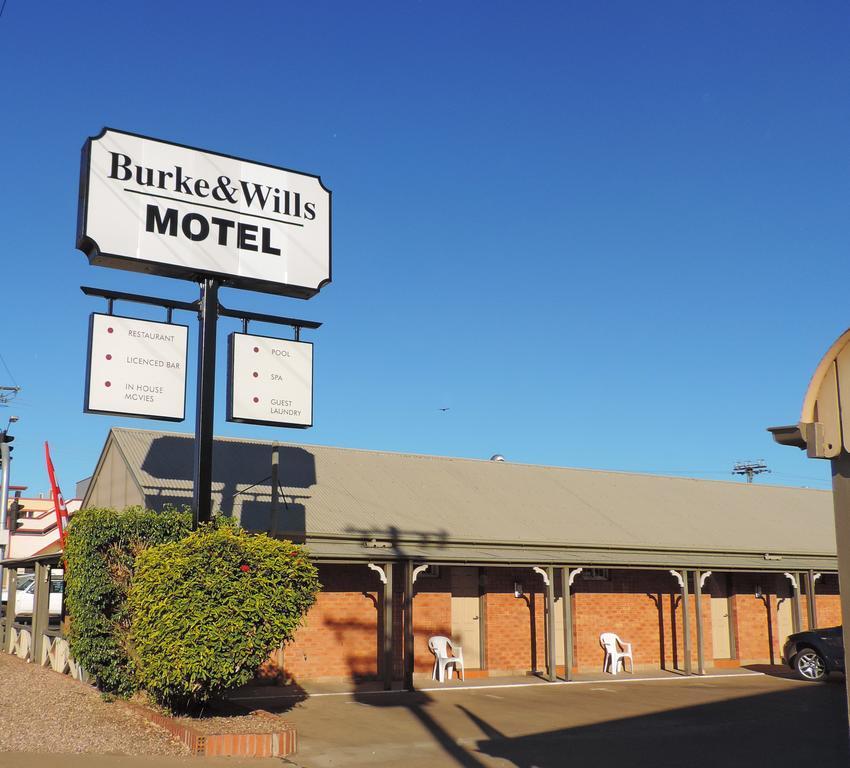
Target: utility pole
{"x":750,"y":469}
{"x":7,"y":394}
{"x":5,"y":460}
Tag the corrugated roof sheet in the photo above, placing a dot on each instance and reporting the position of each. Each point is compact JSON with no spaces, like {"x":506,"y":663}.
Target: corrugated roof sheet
{"x":434,"y":501}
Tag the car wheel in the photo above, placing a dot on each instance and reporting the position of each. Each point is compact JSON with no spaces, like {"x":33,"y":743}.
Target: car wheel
{"x":809,"y":665}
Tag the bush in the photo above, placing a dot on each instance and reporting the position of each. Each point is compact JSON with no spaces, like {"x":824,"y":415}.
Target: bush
{"x":100,"y":553}
{"x":208,"y":610}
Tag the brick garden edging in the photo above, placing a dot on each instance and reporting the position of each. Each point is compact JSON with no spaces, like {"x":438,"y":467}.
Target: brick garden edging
{"x":279,"y":743}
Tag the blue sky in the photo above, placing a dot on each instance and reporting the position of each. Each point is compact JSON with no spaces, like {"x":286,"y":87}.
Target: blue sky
{"x":608,"y":235}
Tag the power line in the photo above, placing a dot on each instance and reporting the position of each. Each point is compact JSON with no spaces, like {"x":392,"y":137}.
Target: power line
{"x":2,"y":360}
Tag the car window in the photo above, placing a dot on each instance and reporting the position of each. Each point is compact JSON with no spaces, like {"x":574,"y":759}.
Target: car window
{"x":25,"y":581}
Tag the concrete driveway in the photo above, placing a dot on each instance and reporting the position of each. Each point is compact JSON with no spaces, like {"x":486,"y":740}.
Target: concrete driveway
{"x":729,"y":720}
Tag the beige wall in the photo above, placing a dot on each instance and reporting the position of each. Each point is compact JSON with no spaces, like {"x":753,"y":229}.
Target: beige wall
{"x":113,"y":486}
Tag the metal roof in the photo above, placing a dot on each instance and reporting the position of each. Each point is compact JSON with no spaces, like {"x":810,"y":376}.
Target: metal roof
{"x":358,"y":502}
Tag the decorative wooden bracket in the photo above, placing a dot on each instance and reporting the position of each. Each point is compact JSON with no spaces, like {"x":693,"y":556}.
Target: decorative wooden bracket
{"x":703,"y":579}
{"x":382,"y":574}
{"x":790,"y":577}
{"x":678,"y":576}
{"x":575,"y":572}
{"x":538,"y":569}
{"x":419,"y":569}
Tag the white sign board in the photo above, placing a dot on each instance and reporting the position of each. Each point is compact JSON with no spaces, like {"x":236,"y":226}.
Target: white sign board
{"x":136,"y":368}
{"x":153,"y":206}
{"x":270,"y":381}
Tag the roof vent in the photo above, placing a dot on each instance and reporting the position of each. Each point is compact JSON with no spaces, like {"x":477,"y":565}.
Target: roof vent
{"x":497,"y":457}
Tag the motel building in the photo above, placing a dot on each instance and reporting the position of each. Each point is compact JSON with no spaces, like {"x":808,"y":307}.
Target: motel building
{"x":523,"y":566}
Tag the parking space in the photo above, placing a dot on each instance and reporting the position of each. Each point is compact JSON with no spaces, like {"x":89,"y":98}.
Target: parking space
{"x":734,"y":719}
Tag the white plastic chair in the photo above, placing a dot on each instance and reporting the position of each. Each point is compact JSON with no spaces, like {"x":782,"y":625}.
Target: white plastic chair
{"x":616,"y":652}
{"x":439,"y":646}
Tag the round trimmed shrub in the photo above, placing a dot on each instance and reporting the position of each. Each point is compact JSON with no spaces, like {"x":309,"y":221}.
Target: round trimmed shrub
{"x":100,"y":552}
{"x":208,"y":610}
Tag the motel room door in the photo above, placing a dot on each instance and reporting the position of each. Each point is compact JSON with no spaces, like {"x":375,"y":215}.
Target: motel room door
{"x":722,"y":644}
{"x":559,"y":631}
{"x":466,"y":614}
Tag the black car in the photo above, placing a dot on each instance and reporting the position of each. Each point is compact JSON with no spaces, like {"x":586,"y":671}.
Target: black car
{"x":816,"y":653}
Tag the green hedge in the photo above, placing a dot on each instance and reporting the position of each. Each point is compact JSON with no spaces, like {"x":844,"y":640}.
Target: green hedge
{"x":207,"y":610}
{"x":100,"y":552}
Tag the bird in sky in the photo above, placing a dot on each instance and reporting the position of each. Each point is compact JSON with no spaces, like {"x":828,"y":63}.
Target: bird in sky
{"x":443,"y":409}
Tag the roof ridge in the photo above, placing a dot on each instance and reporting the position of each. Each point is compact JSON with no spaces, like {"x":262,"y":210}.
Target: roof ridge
{"x":438,"y":457}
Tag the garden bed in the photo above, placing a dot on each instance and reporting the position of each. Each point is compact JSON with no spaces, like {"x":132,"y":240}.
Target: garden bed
{"x":252,"y":734}
{"x":47,"y":712}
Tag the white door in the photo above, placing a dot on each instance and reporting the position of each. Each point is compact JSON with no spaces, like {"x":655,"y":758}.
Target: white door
{"x":466,"y":620}
{"x":784,"y":619}
{"x":559,"y":631}
{"x":721,"y":647}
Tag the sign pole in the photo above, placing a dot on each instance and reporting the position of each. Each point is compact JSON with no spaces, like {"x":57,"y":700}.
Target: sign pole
{"x":841,"y":506}
{"x":822,"y":432}
{"x":207,"y":321}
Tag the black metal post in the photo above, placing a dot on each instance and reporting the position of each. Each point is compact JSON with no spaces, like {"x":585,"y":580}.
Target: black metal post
{"x":275,"y":480}
{"x":207,"y":320}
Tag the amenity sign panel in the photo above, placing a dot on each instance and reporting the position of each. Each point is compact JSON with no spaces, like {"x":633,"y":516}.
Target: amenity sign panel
{"x":270,"y":381}
{"x":136,"y":368}
{"x":152,"y":206}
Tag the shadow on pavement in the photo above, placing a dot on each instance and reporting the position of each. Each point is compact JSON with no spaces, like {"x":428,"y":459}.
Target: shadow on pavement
{"x":248,"y":698}
{"x":786,"y":673}
{"x":800,"y":726}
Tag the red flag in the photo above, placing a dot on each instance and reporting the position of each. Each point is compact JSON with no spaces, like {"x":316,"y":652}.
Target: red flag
{"x":58,"y":501}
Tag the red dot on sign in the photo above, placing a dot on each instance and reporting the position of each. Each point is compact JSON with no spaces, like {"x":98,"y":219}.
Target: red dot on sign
{"x":109,"y":330}
{"x":256,"y":374}
{"x":109,"y":357}
{"x":108,"y":384}
{"x":256,"y":399}
{"x":256,"y":349}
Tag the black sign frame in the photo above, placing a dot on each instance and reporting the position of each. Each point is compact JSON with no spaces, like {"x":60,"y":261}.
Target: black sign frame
{"x":97,"y":257}
{"x":263,"y":422}
{"x":124,"y":414}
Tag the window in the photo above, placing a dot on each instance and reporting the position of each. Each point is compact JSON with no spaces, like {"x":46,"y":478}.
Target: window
{"x":596,"y":574}
{"x":431,"y":572}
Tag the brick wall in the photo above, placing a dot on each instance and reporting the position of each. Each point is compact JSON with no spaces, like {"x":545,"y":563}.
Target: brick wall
{"x":645,"y":609}
{"x":756,"y":626}
{"x":514,"y":628}
{"x":432,"y":615}
{"x":341,"y":635}
{"x":828,"y":601}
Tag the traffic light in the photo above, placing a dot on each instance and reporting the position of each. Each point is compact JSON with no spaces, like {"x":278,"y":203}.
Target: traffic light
{"x":6,"y":438}
{"x":15,"y":509}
